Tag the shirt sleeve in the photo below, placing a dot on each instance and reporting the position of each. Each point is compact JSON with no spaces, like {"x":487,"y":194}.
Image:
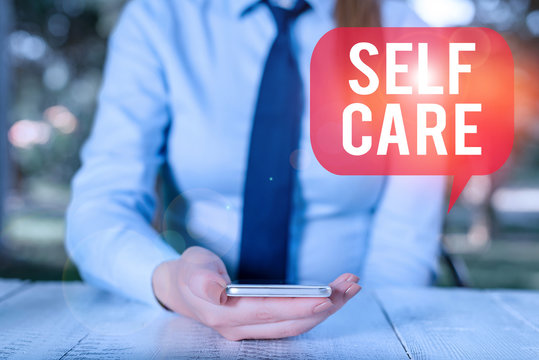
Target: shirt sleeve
{"x":404,"y":242}
{"x":108,"y":234}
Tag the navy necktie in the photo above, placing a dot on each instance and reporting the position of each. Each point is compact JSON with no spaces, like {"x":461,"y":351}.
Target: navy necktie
{"x":270,"y":175}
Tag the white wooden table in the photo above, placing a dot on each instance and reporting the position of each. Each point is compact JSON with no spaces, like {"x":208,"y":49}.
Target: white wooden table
{"x":75,"y":321}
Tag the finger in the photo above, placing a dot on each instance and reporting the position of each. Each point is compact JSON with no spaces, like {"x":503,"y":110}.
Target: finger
{"x":221,"y":269}
{"x":208,"y":285}
{"x":214,"y":263}
{"x":197,"y":257}
{"x":341,"y":293}
{"x":247,"y":311}
{"x":345,"y":277}
{"x":276,"y":330}
{"x":343,"y":289}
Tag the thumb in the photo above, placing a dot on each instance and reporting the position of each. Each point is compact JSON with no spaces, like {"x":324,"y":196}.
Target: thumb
{"x":209,"y":286}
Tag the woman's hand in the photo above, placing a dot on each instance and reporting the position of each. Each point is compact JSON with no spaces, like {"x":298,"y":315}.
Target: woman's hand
{"x":195,"y":286}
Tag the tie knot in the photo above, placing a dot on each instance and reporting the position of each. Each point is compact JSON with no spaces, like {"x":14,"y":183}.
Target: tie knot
{"x":283,"y":17}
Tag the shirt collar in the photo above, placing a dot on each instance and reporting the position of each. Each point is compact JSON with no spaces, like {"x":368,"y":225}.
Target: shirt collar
{"x":241,"y":7}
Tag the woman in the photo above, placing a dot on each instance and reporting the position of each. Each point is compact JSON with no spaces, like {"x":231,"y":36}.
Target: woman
{"x":187,"y":88}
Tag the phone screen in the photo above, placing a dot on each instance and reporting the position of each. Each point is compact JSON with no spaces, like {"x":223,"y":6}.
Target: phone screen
{"x":278,"y":290}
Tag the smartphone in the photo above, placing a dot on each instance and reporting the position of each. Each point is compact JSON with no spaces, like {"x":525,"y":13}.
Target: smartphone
{"x":278,"y":290}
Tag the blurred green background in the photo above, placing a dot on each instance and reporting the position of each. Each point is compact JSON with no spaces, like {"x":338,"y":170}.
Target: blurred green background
{"x":56,"y":50}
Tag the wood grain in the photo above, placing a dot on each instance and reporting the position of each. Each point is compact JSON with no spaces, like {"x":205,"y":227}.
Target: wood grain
{"x":35,"y":323}
{"x":523,"y":305}
{"x":10,"y":287}
{"x":360,"y":330}
{"x":463,"y":324}
{"x":75,"y":321}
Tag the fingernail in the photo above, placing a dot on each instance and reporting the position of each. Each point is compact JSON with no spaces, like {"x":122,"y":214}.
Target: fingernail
{"x":216,"y":292}
{"x":322,"y":307}
{"x":352,"y":291}
{"x":224,"y":298}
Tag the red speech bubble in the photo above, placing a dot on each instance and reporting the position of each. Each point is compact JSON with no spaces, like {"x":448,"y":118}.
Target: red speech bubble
{"x":412,"y":101}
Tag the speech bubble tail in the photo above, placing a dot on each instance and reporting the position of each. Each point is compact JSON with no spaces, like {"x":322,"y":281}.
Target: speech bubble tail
{"x":459,"y":183}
